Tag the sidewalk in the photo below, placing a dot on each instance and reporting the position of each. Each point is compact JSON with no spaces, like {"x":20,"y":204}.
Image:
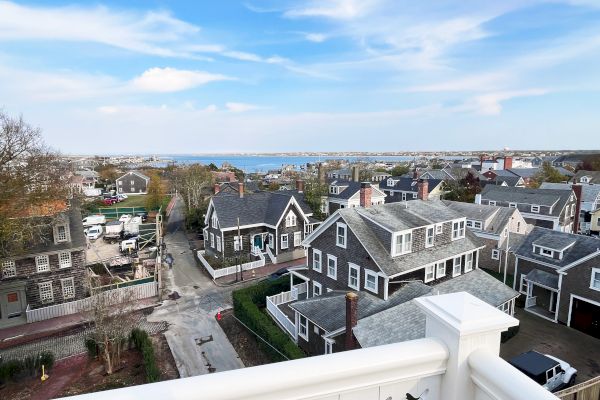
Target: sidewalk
{"x":261,"y":272}
{"x":20,"y":334}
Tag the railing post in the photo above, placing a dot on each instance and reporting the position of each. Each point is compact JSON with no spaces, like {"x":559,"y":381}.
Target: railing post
{"x":464,"y":324}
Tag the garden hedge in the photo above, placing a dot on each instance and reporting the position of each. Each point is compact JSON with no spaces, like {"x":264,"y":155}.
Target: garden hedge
{"x":247,"y":304}
{"x":142,"y":342}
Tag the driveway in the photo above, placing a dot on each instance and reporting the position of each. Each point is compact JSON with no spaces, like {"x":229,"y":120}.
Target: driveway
{"x":578,"y":349}
{"x":198,"y":343}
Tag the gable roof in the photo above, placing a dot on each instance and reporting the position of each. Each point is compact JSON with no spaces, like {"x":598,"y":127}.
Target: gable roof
{"x":406,"y":321}
{"x":406,"y":184}
{"x":525,"y":172}
{"x":351,"y":188}
{"x":589,"y":193}
{"x":255,"y":208}
{"x":543,"y":197}
{"x":594,"y":176}
{"x":138,"y":173}
{"x":576,"y":247}
{"x":500,"y":216}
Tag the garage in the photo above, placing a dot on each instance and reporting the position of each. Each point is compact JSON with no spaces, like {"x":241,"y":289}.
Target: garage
{"x":585,"y":316}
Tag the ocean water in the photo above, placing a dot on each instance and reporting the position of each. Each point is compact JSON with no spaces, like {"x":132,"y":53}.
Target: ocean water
{"x":259,"y":163}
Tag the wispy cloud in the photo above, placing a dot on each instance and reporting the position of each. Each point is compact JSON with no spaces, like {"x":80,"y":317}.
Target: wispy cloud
{"x":241,"y":107}
{"x":174,"y":80}
{"x":315,"y":37}
{"x":335,"y":9}
{"x":491,"y":103}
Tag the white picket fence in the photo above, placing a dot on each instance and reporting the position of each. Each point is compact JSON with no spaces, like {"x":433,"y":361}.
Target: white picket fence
{"x":271,"y":256}
{"x":218,"y":273}
{"x":115,"y":296}
{"x":282,"y":298}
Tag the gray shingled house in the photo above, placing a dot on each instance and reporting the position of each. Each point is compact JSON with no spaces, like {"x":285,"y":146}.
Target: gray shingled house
{"x":387,"y":255}
{"x":269,"y":222}
{"x":590,"y":201}
{"x":400,"y":188}
{"x":51,"y":272}
{"x":347,"y":194}
{"x":548,"y":208}
{"x":559,"y":273}
{"x":133,"y":182}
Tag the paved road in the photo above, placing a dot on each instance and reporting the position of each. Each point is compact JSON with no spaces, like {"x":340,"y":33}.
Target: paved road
{"x":198,"y":343}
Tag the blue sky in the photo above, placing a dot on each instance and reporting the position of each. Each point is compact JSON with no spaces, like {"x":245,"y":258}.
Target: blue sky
{"x":322,"y":75}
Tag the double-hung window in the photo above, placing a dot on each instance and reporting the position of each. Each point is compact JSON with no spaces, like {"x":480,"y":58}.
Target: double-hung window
{"x":46,"y":294}
{"x":429,"y":236}
{"x":595,"y":282}
{"x":495,"y":254}
{"x":9,"y":269}
{"x":512,"y":205}
{"x":535,"y":209}
{"x":238,"y":243}
{"x":297,"y":238}
{"x":64,"y":259}
{"x":458,"y":229}
{"x":440,"y":269}
{"x":61,"y":234}
{"x":214,"y":221}
{"x":371,"y":281}
{"x":354,"y":276}
{"x":284,"y":241}
{"x":271,"y":240}
{"x":218,"y":243}
{"x":302,"y":327}
{"x":468,"y":262}
{"x":317,"y":259}
{"x":341,"y":235}
{"x":403,"y":243}
{"x":68,"y":288}
{"x":331,"y":266}
{"x":456,"y":265}
{"x":317,"y":289}
{"x":42,"y":263}
{"x":212,"y":241}
{"x":291,"y":219}
{"x":429,"y":273}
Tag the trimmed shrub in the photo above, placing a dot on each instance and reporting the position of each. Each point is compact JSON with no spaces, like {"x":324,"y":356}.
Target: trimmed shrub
{"x":30,"y":365}
{"x":92,"y":347}
{"x":142,"y":342}
{"x":246,"y":303}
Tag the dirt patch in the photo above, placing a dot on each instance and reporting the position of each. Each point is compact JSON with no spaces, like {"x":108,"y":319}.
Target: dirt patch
{"x":78,"y":375}
{"x":243,"y":341}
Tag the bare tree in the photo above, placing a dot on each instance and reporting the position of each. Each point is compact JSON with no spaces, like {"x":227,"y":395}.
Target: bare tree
{"x":112,"y":318}
{"x":33,"y":181}
{"x":193,"y":182}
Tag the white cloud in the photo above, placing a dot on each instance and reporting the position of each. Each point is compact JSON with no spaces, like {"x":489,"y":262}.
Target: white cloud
{"x":491,"y":103}
{"x":108,"y":109}
{"x":315,"y":37}
{"x":240,"y":107}
{"x":469,"y":83}
{"x":335,"y":9}
{"x":174,"y":80}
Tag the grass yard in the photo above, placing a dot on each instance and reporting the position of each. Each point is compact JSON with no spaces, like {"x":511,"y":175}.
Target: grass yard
{"x":138,"y":200}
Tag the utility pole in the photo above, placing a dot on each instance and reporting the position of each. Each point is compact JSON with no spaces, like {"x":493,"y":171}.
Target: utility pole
{"x":239,"y":251}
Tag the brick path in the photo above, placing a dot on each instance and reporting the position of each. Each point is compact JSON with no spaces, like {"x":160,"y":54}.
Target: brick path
{"x":70,"y":344}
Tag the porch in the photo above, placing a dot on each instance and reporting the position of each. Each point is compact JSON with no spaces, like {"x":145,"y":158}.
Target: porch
{"x":542,"y":292}
{"x":279,"y":309}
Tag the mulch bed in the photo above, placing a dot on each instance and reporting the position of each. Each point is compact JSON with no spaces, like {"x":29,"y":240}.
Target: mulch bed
{"x":244,"y":342}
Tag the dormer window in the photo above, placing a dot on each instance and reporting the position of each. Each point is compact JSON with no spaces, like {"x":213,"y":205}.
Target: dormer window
{"x":291,"y":219}
{"x":390,"y":182}
{"x":341,"y":235}
{"x":61,"y":234}
{"x":584,"y":179}
{"x":477,"y":224}
{"x":492,"y":202}
{"x":512,"y":205}
{"x":334,"y":189}
{"x":214,"y":221}
{"x":402,"y":243}
{"x":546,"y":252}
{"x":535,"y":209}
{"x":458,"y":229}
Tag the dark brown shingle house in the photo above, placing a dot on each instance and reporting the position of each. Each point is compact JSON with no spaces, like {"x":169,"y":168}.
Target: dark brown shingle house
{"x":51,"y":272}
{"x":133,"y":182}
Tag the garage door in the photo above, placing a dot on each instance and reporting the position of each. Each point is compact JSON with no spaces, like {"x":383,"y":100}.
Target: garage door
{"x":585,"y":316}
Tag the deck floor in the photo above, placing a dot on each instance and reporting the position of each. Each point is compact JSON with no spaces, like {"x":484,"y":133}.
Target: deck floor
{"x":541,"y":311}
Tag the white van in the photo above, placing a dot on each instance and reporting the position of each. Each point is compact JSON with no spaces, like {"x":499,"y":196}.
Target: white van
{"x":94,"y":232}
{"x":94,"y":220}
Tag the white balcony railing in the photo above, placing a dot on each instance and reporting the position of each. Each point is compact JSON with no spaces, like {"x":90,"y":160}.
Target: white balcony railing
{"x":457,"y":360}
{"x":217,"y":273}
{"x":530,"y":301}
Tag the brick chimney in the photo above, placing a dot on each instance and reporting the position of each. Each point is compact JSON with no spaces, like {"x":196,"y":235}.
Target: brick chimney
{"x":355,"y":173}
{"x":300,"y":185}
{"x":578,"y":189}
{"x":508,"y":162}
{"x":217,"y":188}
{"x":241,"y":188}
{"x":415,"y":173}
{"x":351,"y":319}
{"x":365,"y":194}
{"x":423,"y":189}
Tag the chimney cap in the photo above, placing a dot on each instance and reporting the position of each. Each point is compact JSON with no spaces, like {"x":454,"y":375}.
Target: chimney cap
{"x":351,"y":295}
{"x":365,"y":184}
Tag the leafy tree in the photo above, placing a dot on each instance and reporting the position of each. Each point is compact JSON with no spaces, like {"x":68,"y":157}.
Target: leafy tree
{"x":108,"y":173}
{"x":32,"y":184}
{"x":273,"y":186}
{"x":400,"y":170}
{"x":365,"y":175}
{"x":314,"y":191}
{"x":548,"y":174}
{"x":212,"y":167}
{"x":156,"y":192}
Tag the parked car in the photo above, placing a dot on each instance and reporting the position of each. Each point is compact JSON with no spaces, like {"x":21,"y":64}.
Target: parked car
{"x":94,"y":220}
{"x":550,"y":372}
{"x":143,"y":215}
{"x":109,"y":201}
{"x":121,"y":196}
{"x":125,"y":218}
{"x":94,"y":232}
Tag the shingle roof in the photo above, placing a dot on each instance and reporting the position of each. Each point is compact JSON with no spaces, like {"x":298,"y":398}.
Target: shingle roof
{"x":406,"y":184}
{"x":525,"y":172}
{"x":555,"y":242}
{"x":589,"y":193}
{"x":407,"y":322}
{"x":511,"y":181}
{"x":544,"y":197}
{"x":594,"y":176}
{"x":73,"y":215}
{"x":482,"y":212}
{"x":254,"y":208}
{"x":350,"y":189}
{"x":329,"y":310}
{"x":583,"y":246}
{"x":543,"y":278}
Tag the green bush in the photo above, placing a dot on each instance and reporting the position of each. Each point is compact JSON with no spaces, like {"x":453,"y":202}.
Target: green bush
{"x":30,"y":365}
{"x":142,"y":342}
{"x":92,"y":347}
{"x":246,"y":303}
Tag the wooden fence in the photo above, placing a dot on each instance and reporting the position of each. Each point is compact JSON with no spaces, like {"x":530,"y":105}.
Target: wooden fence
{"x":588,"y":390}
{"x":218,"y":273}
{"x":115,"y":296}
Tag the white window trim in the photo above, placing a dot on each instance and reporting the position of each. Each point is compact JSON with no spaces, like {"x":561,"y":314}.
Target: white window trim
{"x":491,"y":202}
{"x":439,"y":228}
{"x":212,"y":240}
{"x":320,"y":269}
{"x":430,"y":269}
{"x":373,"y":274}
{"x":455,"y":264}
{"x":357,"y":268}
{"x":50,"y":299}
{"x":595,"y":271}
{"x":401,"y":251}
{"x":218,"y":243}
{"x":286,"y":241}
{"x":271,"y":241}
{"x":66,"y":233}
{"x":337,"y":236}
{"x":38,"y":264}
{"x":460,"y":232}
{"x":512,"y":205}
{"x":297,"y":238}
{"x":477,"y":225}
{"x":9,"y":269}
{"x":62,"y":284}
{"x":429,"y":237}
{"x":523,"y":282}
{"x":438,"y":274}
{"x":546,"y":252}
{"x":334,"y":258}
{"x":535,"y":209}
{"x":495,"y":254}
{"x":305,"y":325}
{"x":319,"y":286}
{"x":469,"y":263}
{"x":291,"y":220}
{"x":62,"y":264}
